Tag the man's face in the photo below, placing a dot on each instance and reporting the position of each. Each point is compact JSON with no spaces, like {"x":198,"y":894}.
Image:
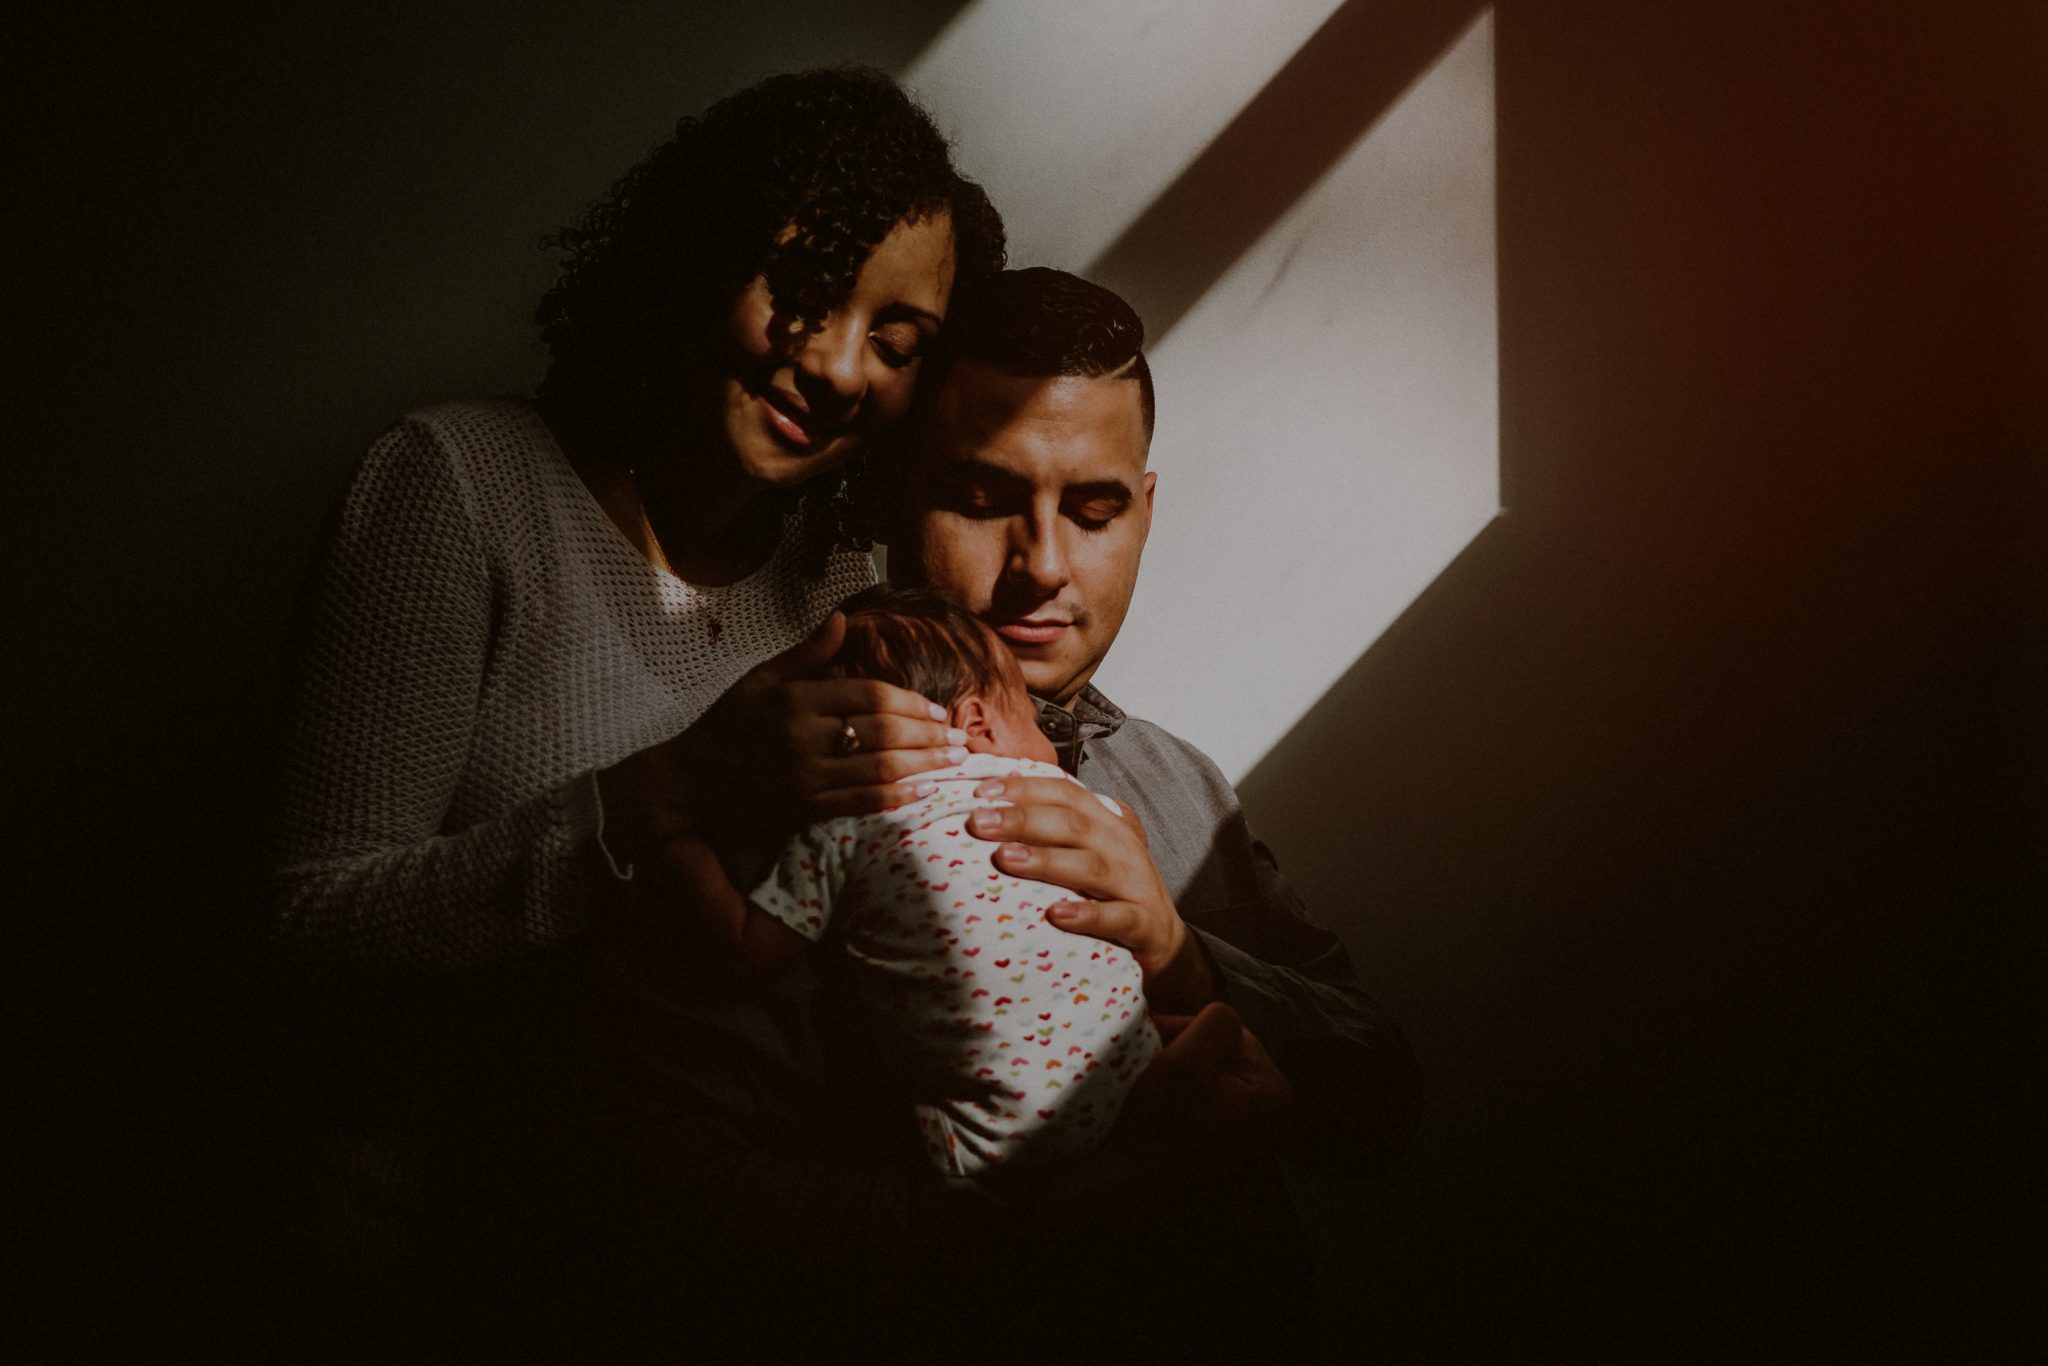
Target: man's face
{"x":1029,"y":500}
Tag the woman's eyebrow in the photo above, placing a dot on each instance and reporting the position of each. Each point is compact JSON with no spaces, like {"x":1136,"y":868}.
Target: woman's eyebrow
{"x":901,"y":308}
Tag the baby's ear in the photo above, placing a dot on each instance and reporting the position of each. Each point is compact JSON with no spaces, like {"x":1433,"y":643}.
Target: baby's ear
{"x":970,"y":714}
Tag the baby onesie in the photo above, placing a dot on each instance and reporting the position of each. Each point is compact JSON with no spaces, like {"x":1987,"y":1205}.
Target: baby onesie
{"x":1032,"y":1036}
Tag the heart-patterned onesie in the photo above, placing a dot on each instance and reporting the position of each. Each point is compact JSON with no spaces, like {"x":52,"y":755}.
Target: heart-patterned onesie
{"x":1033,"y":1035}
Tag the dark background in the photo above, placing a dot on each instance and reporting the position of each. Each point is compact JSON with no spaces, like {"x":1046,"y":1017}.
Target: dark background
{"x":1691,"y":822}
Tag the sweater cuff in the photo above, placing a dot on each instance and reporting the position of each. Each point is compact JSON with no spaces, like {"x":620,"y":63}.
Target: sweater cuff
{"x":586,"y":812}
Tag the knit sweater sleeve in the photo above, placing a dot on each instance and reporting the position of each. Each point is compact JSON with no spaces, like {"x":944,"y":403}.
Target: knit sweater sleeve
{"x":394,"y":660}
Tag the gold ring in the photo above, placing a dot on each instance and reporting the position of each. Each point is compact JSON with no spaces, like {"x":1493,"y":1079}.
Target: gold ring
{"x":847,"y":741}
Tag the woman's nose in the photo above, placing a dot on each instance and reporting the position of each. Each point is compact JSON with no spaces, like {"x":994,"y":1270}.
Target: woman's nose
{"x":829,"y":361}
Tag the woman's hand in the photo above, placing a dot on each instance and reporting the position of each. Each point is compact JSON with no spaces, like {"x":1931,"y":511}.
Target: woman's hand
{"x":1059,"y":832}
{"x":772,"y":747}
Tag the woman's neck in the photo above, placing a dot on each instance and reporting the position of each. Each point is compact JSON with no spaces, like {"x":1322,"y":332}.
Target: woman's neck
{"x":678,"y":510}
{"x":709,"y":530}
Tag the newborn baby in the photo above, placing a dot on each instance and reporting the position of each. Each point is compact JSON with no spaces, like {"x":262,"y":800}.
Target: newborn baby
{"x":1029,"y":1036}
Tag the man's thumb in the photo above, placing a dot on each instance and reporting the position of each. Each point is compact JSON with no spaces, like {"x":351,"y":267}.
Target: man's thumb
{"x":811,"y":653}
{"x":1209,"y":1040}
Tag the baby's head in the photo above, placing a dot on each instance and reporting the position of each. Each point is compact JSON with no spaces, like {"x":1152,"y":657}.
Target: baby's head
{"x":924,"y":641}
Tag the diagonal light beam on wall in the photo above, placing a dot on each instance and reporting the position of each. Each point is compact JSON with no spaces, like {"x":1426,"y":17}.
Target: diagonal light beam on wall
{"x":1299,"y":125}
{"x":1299,"y":198}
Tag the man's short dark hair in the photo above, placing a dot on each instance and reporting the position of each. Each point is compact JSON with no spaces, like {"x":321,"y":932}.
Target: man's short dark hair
{"x":1045,"y":323}
{"x":923,"y":640}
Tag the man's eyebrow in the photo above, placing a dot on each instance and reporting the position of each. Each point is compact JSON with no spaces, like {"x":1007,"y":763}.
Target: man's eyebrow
{"x":967,"y":469}
{"x":1096,"y":489}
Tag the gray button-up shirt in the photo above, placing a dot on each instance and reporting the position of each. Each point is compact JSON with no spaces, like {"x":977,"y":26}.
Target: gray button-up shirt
{"x":719,"y":1130}
{"x":1289,"y":978}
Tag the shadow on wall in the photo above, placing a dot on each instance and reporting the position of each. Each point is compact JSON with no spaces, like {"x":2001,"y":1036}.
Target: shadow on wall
{"x":283,"y":227}
{"x":1671,"y":820}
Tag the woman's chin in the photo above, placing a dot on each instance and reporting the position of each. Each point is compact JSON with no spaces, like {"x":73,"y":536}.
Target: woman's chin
{"x":776,"y":465}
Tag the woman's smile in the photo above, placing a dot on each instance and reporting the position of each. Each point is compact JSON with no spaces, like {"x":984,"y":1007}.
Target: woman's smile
{"x":787,"y":407}
{"x":789,"y":419}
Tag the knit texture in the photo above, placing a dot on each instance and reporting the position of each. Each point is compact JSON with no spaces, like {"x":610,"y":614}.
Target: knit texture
{"x":483,"y":640}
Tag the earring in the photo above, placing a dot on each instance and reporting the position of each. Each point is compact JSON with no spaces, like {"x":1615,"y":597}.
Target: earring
{"x":849,"y":527}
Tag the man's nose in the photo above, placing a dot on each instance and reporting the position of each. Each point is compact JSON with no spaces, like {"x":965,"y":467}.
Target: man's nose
{"x":829,"y":363}
{"x":1037,"y":557}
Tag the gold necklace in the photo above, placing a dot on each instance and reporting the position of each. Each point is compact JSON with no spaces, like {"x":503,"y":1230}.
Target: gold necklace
{"x":707,"y":604}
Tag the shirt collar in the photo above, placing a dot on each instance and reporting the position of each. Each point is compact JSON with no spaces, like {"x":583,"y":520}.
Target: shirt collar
{"x":1093,"y":718}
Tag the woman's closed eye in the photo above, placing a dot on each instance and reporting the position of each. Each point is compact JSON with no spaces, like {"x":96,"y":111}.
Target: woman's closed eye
{"x":898,"y":343}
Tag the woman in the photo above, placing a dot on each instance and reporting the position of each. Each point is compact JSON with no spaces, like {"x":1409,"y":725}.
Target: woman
{"x":534,"y":649}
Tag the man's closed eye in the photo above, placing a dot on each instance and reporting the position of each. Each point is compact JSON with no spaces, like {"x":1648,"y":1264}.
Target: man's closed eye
{"x":1095,"y":514}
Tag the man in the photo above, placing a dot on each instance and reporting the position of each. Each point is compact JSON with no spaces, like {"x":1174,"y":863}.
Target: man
{"x":784,"y":1216}
{"x":1025,"y":492}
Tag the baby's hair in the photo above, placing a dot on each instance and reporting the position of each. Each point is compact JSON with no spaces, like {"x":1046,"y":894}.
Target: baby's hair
{"x":920,"y":639}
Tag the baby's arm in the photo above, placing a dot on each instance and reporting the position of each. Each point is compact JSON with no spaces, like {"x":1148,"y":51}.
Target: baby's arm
{"x":764,"y":942}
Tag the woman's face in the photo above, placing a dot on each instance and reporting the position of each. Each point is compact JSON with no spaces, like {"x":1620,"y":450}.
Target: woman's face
{"x":792,"y":402}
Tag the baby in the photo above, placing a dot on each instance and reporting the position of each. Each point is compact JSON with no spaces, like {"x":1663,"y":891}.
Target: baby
{"x":1031,"y":1035}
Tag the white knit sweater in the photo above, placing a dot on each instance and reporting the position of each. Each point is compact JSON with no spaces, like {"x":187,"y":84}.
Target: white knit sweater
{"x":483,"y":640}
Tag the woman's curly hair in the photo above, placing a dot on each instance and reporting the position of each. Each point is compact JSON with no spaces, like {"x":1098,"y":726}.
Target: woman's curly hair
{"x":839,"y":155}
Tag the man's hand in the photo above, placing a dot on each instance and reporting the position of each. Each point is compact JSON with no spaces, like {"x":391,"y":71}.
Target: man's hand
{"x":1059,"y":832}
{"x":1210,"y":1098}
{"x":1211,"y":1101}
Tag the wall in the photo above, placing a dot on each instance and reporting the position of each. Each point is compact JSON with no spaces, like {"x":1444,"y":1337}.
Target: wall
{"x":251,"y":237}
{"x":1690,"y":817}
{"x":1675,"y":818}
{"x":1298,"y":198}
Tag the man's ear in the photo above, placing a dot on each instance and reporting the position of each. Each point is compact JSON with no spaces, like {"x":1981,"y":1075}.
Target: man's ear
{"x":1151,"y":482}
{"x":971,"y":715}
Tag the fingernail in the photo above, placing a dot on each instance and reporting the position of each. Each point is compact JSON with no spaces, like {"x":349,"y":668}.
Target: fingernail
{"x":1016,"y":853}
{"x":983,"y":821}
{"x":955,"y":736}
{"x":954,"y":755}
{"x":938,"y":712}
{"x":989,"y":789}
{"x":1064,"y":911}
{"x":923,"y":788}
